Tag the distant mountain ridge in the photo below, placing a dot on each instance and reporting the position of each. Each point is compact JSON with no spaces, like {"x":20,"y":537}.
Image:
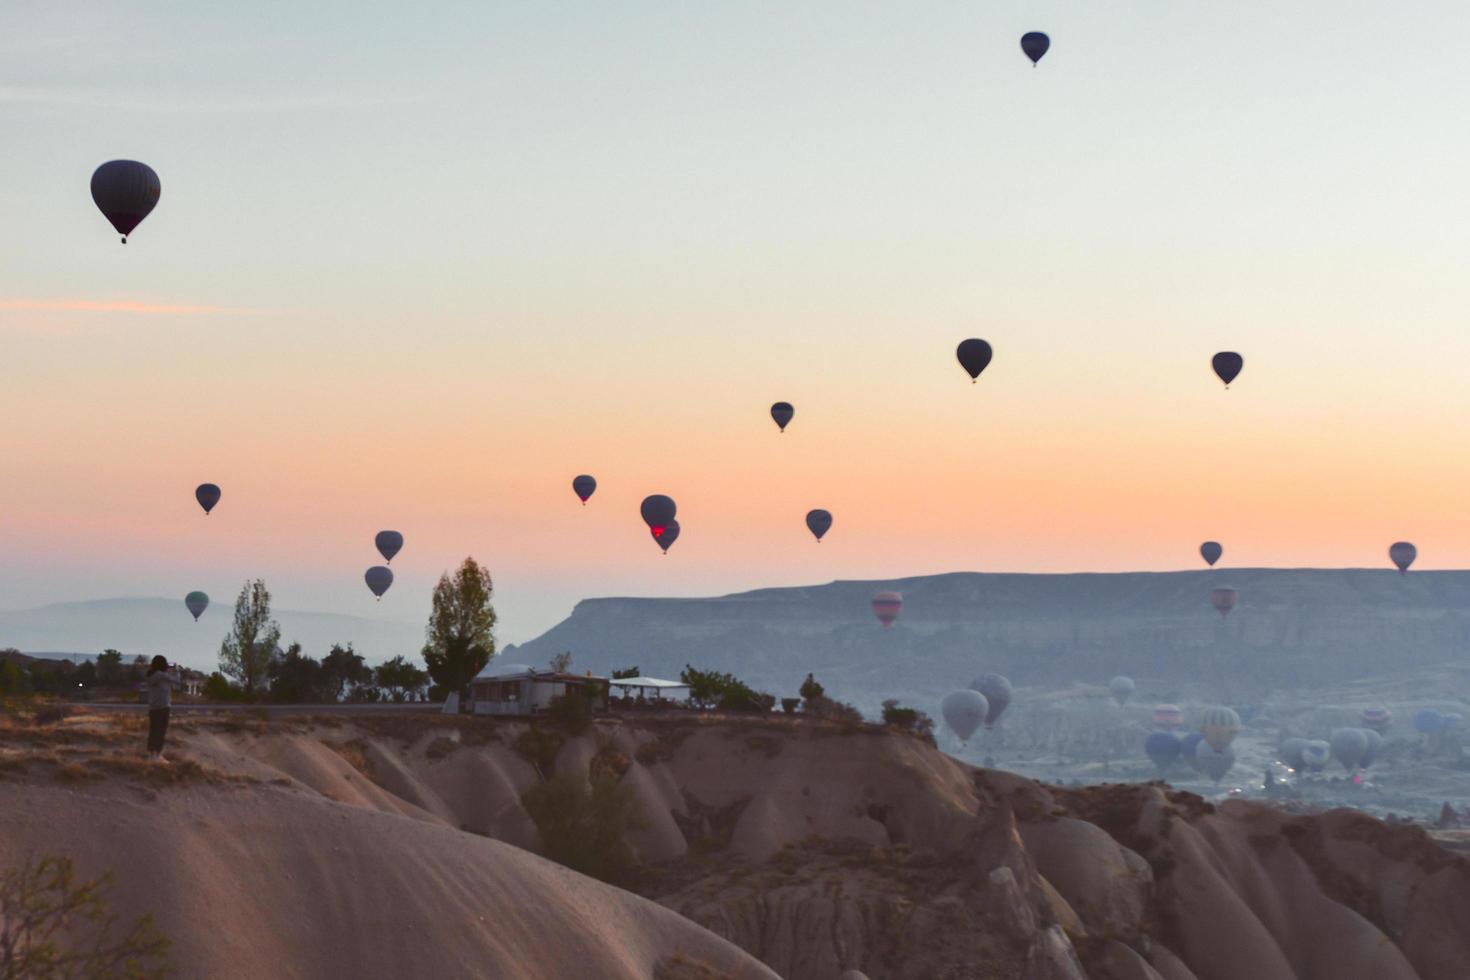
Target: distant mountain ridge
{"x":1291,"y":626}
{"x":163,"y":626}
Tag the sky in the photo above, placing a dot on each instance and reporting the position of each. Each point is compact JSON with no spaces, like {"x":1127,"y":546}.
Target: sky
{"x":417,"y":266}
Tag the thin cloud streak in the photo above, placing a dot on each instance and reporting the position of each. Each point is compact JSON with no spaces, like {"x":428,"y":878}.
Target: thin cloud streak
{"x":121,"y":306}
{"x":98,"y":99}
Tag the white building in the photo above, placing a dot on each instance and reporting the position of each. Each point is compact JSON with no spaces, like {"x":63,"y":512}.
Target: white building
{"x":518,"y":689}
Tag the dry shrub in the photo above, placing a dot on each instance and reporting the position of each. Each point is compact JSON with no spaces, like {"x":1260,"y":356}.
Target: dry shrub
{"x":681,"y":967}
{"x":175,"y":772}
{"x":609,"y":762}
{"x":354,"y":751}
{"x":440,"y":748}
{"x":75,"y":772}
{"x":666,"y":742}
{"x":540,"y":748}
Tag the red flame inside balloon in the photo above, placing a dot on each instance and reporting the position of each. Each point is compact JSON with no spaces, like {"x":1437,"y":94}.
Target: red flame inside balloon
{"x":657,"y":529}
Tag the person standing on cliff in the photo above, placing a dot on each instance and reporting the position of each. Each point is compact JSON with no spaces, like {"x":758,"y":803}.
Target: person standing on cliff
{"x":161,"y":681}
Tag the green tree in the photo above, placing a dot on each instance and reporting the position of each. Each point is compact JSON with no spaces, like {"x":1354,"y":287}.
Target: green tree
{"x":53,"y":927}
{"x":343,"y":668}
{"x":110,"y":669}
{"x":245,"y":655}
{"x":12,"y":679}
{"x":399,"y":679}
{"x":713,"y":689}
{"x":811,"y":690}
{"x":624,"y":672}
{"x":461,"y":631}
{"x":87,"y":674}
{"x":136,"y":671}
{"x":561,"y":663}
{"x":296,"y":678}
{"x":584,"y":824}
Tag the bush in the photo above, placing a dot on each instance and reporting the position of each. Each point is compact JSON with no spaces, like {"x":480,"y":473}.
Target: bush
{"x":713,"y":689}
{"x":811,"y":690}
{"x":540,"y":749}
{"x":572,"y":710}
{"x":584,"y":825}
{"x":218,"y":688}
{"x":54,"y":926}
{"x":829,"y":710}
{"x":789,"y":705}
{"x":910,"y":720}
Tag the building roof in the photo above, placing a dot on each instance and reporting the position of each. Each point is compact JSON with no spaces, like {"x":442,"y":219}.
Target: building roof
{"x":645,"y":682}
{"x":520,"y":672}
{"x":496,"y":671}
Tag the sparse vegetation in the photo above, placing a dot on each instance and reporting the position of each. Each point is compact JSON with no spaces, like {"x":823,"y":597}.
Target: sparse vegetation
{"x":714,"y":689}
{"x":54,"y":927}
{"x":540,"y":748}
{"x":910,"y":720}
{"x":584,"y":824}
{"x":572,"y":711}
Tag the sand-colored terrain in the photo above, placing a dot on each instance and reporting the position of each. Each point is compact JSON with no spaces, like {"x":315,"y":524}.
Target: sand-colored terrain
{"x":359,"y":847}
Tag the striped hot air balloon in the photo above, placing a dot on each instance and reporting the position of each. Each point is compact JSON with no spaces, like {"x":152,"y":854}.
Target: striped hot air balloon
{"x":1168,"y":717}
{"x":1219,"y":726}
{"x":1377,"y":719}
{"x":887,"y":606}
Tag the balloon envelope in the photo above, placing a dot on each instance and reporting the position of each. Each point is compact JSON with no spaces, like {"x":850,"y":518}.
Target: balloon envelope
{"x":584,"y":486}
{"x":782,"y":413}
{"x":1213,"y":762}
{"x":1377,"y":719}
{"x":208,"y":495}
{"x":1291,"y":752}
{"x":1227,"y":365}
{"x":819,"y":522}
{"x":389,"y":544}
{"x":378,"y":578}
{"x":196,"y":602}
{"x":1211,"y":551}
{"x":1121,"y":688}
{"x":125,"y":191}
{"x":1162,"y":748}
{"x":1349,"y":747}
{"x":658,"y":512}
{"x":1223,"y":600}
{"x":887,"y":606}
{"x":964,"y":712}
{"x":1219,"y":726}
{"x":1168,"y":716}
{"x":666,"y":537}
{"x":974,"y":355}
{"x":1402,"y":554}
{"x":1375,"y":742}
{"x":1315,"y":754}
{"x":1187,"y":746}
{"x":997,"y":691}
{"x":1035,"y":44}
{"x":1427,"y":721}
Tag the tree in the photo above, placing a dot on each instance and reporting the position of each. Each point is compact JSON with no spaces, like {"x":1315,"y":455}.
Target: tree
{"x":399,"y":679}
{"x":296,"y":678}
{"x":12,"y":679}
{"x":811,"y":690}
{"x":137,"y":670}
{"x":713,"y":689}
{"x":109,"y":669}
{"x":561,"y":663}
{"x":624,"y":672}
{"x":461,"y":631}
{"x":245,"y":655}
{"x":343,"y":667}
{"x":54,"y":927}
{"x":87,"y":674}
{"x":584,"y":824}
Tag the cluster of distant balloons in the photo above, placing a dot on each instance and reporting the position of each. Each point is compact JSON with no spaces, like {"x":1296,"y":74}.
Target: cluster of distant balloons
{"x":982,"y":703}
{"x":378,"y":578}
{"x":1206,"y":751}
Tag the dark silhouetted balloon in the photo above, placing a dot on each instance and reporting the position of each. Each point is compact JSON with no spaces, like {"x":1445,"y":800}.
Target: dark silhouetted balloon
{"x":1227,"y":365}
{"x":196,"y":602}
{"x":1315,"y":754}
{"x":1213,"y":762}
{"x":1223,"y":599}
{"x":1121,"y":688}
{"x":997,"y":691}
{"x":208,"y":495}
{"x":1219,"y":726}
{"x":1427,"y":721}
{"x":974,"y":355}
{"x":1211,"y":551}
{"x":964,"y":712}
{"x":1402,"y":553}
{"x":1168,"y":716}
{"x":887,"y":606}
{"x":1162,"y":748}
{"x":819,"y":522}
{"x":1349,"y":747}
{"x":658,"y":513}
{"x":125,"y":191}
{"x":1377,"y":719}
{"x":1035,"y":44}
{"x":1291,"y":752}
{"x":1375,"y":742}
{"x":782,"y":413}
{"x":1187,"y":746}
{"x":665,"y":538}
{"x":389,"y":544}
{"x":378,"y":578}
{"x":584,"y":486}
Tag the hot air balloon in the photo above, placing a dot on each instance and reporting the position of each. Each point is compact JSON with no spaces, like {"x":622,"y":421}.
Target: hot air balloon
{"x":1427,"y":721}
{"x":196,"y":602}
{"x":1375,"y":742}
{"x":1168,"y":717}
{"x":1211,"y":551}
{"x":1121,"y":688}
{"x":1227,"y":365}
{"x":1451,"y":721}
{"x":964,"y":712}
{"x":584,"y":486}
{"x":389,"y":544}
{"x":1291,"y":752}
{"x":819,"y":522}
{"x":208,"y":495}
{"x":1162,"y":748}
{"x":1349,"y":747}
{"x":1219,"y":726}
{"x":1213,"y":762}
{"x":1035,"y":44}
{"x":658,"y":512}
{"x":997,"y":691}
{"x":378,"y":578}
{"x":1377,"y":719}
{"x":974,"y":355}
{"x":125,"y":191}
{"x":1315,"y":754}
{"x":887,"y":606}
{"x":1187,"y":746}
{"x":1402,"y":554}
{"x":782,"y":413}
{"x":665,"y":539}
{"x":1223,"y":600}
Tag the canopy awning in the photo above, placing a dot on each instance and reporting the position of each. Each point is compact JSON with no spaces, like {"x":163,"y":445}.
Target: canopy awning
{"x":652,"y":682}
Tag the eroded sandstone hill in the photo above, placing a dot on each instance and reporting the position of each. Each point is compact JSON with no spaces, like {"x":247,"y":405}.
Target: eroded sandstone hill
{"x":816,"y":849}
